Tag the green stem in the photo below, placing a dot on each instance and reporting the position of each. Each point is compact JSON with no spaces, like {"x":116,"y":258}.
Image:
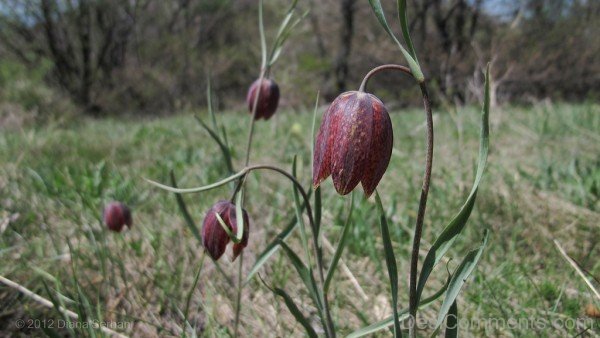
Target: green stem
{"x":413,"y":306}
{"x":239,"y":294}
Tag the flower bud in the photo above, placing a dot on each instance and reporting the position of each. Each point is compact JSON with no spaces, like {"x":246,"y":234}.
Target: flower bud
{"x":116,"y":215}
{"x":267,"y":100}
{"x":215,"y":238}
{"x":354,"y":143}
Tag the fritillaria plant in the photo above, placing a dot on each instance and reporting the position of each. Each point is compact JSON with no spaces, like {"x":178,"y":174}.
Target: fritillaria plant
{"x":353,"y":145}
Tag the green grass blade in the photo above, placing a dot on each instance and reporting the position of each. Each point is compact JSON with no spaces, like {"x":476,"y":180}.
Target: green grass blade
{"x":263,"y":40}
{"x":403,"y":16}
{"x":189,"y":221}
{"x":312,"y":136}
{"x":340,"y":247}
{"x":402,"y":315}
{"x":190,"y":294}
{"x":412,"y":63}
{"x":289,"y":302}
{"x":209,"y":104}
{"x":390,"y":261}
{"x":459,"y":278}
{"x":318,"y":212}
{"x":452,"y":322}
{"x":456,"y":225}
{"x":222,"y":146}
{"x":305,"y":274}
{"x":239,"y":215}
{"x":297,"y":206}
{"x":274,"y":245}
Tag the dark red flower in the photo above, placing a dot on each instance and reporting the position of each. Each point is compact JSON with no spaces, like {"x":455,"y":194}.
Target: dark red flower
{"x":267,"y":100}
{"x":354,"y":143}
{"x":116,"y":215}
{"x":214,"y":237}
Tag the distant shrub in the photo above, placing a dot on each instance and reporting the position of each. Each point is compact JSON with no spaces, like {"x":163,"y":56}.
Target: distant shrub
{"x":26,"y":99}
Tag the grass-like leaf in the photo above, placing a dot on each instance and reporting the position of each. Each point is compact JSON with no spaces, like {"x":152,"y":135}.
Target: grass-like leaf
{"x":274,"y":245}
{"x":298,"y":209}
{"x":390,"y":261}
{"x":459,"y":278}
{"x":452,"y":322}
{"x":412,"y":62}
{"x":402,"y":315}
{"x":263,"y":40}
{"x":340,"y":247}
{"x":305,"y":274}
{"x":189,"y":221}
{"x":239,"y":215}
{"x":289,"y":302}
{"x":403,"y":16}
{"x":456,"y":225}
{"x":222,"y":146}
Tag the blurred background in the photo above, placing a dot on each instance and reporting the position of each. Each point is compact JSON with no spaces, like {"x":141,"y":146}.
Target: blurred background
{"x":112,"y":57}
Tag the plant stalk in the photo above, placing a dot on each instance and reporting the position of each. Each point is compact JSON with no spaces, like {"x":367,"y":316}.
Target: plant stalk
{"x":239,"y":294}
{"x":413,"y":306}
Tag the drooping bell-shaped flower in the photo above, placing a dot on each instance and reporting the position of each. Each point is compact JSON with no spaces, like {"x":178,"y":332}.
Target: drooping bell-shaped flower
{"x":354,"y":143}
{"x":116,"y":215}
{"x":268,"y":98}
{"x":215,"y":238}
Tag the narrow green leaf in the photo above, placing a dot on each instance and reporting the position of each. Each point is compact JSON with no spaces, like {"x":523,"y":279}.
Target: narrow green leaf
{"x":274,"y":245}
{"x":191,"y":292}
{"x":390,"y":261}
{"x":189,"y":221}
{"x":452,"y":322}
{"x":209,"y":103}
{"x":225,"y":228}
{"x":305,"y":274}
{"x":289,"y":302}
{"x":239,"y":215}
{"x":340,"y":247}
{"x":285,"y":30}
{"x":457,"y":224}
{"x":222,"y":146}
{"x":403,"y":16}
{"x":459,"y":278}
{"x":198,"y":189}
{"x":297,"y":206}
{"x":402,"y":315}
{"x":412,"y":63}
{"x":312,"y":136}
{"x":263,"y":40}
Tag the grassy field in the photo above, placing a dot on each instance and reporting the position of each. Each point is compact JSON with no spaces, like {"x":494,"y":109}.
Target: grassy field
{"x":542,"y":184}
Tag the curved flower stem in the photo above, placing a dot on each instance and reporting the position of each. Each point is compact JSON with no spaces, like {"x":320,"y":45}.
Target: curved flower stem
{"x":330,"y":330}
{"x":376,"y":70}
{"x":413,"y":306}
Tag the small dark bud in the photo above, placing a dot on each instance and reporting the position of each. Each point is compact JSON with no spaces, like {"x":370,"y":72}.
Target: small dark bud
{"x":267,"y":100}
{"x":354,"y":143}
{"x":116,"y":215}
{"x":214,"y":237}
